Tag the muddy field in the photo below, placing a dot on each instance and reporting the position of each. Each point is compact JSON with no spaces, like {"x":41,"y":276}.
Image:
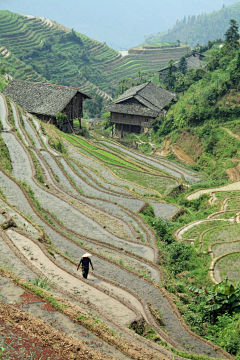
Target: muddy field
{"x":54,"y":207}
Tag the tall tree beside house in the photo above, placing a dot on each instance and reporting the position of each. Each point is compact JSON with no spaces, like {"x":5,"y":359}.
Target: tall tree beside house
{"x":232,"y":35}
{"x":182,"y":67}
{"x":170,"y":76}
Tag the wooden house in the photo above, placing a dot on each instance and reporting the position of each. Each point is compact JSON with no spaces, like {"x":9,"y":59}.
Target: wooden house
{"x":136,"y":109}
{"x":46,"y":100}
{"x":193,"y":62}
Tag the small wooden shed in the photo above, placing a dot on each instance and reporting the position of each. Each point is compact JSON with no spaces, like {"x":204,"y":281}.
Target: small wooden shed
{"x":46,"y":100}
{"x":136,"y":109}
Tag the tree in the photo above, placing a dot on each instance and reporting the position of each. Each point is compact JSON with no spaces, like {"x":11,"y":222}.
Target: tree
{"x":47,"y":73}
{"x":180,"y":82}
{"x":232,"y":35}
{"x":170,"y":76}
{"x":182,"y":67}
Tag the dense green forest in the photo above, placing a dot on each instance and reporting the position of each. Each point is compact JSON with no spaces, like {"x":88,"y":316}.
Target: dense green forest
{"x":199,"y":29}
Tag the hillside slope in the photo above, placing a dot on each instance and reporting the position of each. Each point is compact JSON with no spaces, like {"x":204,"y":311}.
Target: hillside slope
{"x":200,"y":29}
{"x":41,"y":50}
{"x":68,"y":202}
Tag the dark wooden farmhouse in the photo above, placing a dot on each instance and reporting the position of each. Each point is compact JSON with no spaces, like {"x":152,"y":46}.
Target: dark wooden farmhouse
{"x":193,"y":62}
{"x":46,"y":100}
{"x":136,"y":109}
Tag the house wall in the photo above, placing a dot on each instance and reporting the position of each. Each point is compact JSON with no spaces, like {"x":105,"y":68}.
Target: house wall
{"x":74,"y":110}
{"x":126,"y":123}
{"x":128,"y":119}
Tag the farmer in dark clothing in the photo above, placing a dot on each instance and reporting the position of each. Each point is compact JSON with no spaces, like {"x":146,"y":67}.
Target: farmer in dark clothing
{"x":85,"y":264}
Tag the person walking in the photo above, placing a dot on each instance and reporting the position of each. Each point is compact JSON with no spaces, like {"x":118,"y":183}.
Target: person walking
{"x":85,"y":261}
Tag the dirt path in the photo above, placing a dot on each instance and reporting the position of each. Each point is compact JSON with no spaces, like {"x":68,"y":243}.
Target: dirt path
{"x":231,"y":133}
{"x":196,"y":223}
{"x":230,"y":187}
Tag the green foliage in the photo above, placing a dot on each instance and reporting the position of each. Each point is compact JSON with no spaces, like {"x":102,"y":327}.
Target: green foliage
{"x":5,"y":161}
{"x":148,"y":210}
{"x":182,"y":66}
{"x":44,"y":282}
{"x":60,"y":119}
{"x":232,"y":35}
{"x":214,"y":314}
{"x":181,"y":257}
{"x":146,"y":148}
{"x":164,"y":229}
{"x":226,"y":333}
{"x":106,"y":116}
{"x":58,"y":145}
{"x":39,"y":173}
{"x":30,"y":193}
{"x":127,"y":83}
{"x":94,"y":106}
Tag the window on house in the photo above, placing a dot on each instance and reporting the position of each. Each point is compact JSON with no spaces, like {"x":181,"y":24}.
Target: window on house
{"x":146,"y":120}
{"x":124,"y":115}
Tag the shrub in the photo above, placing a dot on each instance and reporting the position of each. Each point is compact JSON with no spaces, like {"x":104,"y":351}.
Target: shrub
{"x":181,"y":257}
{"x":164,"y":229}
{"x":148,"y":210}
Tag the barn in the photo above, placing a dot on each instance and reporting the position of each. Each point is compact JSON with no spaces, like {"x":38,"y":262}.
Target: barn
{"x":137,"y":108}
{"x":46,"y":100}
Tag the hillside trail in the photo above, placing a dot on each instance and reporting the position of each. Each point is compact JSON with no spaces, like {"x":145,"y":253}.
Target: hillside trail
{"x":231,"y":133}
{"x":126,"y":286}
{"x":229,"y":187}
{"x":181,"y":155}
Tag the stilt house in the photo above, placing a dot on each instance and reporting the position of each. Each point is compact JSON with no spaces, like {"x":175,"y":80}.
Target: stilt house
{"x":46,"y":100}
{"x":136,"y":109}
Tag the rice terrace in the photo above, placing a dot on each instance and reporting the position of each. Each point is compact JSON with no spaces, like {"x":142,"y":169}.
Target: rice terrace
{"x":156,"y":209}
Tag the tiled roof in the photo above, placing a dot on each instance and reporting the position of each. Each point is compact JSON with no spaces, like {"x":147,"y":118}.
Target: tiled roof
{"x":150,"y":97}
{"x":40,"y":98}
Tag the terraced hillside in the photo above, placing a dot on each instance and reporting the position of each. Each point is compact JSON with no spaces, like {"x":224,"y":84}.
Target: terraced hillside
{"x":60,"y":196}
{"x":219,"y":233}
{"x":39,"y":49}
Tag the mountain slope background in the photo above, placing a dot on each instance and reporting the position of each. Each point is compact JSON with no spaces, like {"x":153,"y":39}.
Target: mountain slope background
{"x":120,"y":23}
{"x":199,"y":29}
{"x":41,"y":50}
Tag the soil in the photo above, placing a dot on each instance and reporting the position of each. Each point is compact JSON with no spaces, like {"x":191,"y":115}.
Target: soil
{"x":233,"y":174}
{"x":182,"y":156}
